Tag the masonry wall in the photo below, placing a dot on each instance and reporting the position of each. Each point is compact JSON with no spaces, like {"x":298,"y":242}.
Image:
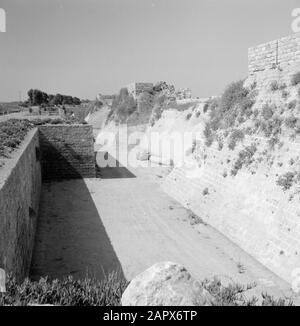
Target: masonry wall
{"x":67,"y":151}
{"x":280,"y":53}
{"x":20,"y":187}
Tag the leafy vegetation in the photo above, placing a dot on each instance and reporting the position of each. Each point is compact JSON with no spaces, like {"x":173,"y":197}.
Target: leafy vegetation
{"x":234,"y":107}
{"x":274,"y":86}
{"x":245,"y":158}
{"x":236,"y":136}
{"x":13,"y":131}
{"x":37,"y":97}
{"x":287,"y":180}
{"x":235,"y":295}
{"x":295,"y":80}
{"x":68,"y":291}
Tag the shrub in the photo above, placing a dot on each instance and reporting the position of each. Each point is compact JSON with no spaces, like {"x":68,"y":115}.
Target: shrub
{"x":208,"y":134}
{"x":274,"y":86}
{"x":245,"y":158}
{"x":291,"y":121}
{"x":234,"y":295}
{"x":285,"y":94}
{"x":234,"y":94}
{"x":198,"y":113}
{"x":68,"y":291}
{"x":287,"y":180}
{"x":272,"y":142}
{"x":292,"y":105}
{"x":236,"y":136}
{"x":282,"y":86}
{"x":188,"y":116}
{"x":295,"y":80}
{"x":12,"y":133}
{"x":205,"y":191}
{"x":267,"y":112}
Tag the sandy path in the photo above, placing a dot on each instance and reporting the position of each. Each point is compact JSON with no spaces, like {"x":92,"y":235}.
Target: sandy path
{"x":125,"y":222}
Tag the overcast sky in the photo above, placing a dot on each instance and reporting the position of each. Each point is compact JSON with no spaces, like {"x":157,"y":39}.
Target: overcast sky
{"x":83,"y":47}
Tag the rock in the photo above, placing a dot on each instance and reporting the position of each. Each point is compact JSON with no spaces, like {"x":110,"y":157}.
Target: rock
{"x":165,"y":284}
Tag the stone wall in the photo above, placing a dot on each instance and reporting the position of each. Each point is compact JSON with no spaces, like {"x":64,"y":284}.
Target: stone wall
{"x":67,"y":151}
{"x":280,"y":53}
{"x":135,"y":89}
{"x":274,"y":61}
{"x":20,"y":186}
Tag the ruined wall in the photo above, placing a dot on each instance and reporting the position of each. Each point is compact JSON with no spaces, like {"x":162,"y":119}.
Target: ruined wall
{"x":280,"y":53}
{"x":67,"y":151}
{"x":20,"y":186}
{"x":136,"y":89}
{"x":275,"y":60}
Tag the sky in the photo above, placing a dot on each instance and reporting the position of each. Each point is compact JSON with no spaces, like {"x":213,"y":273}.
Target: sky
{"x":85,"y":47}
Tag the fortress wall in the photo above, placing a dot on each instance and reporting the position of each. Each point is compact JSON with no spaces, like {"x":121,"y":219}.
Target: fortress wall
{"x":20,"y":186}
{"x":250,"y":209}
{"x":276,"y":60}
{"x":283,"y":53}
{"x":67,"y":151}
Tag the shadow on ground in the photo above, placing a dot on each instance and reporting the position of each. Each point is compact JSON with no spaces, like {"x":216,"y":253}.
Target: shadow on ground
{"x":71,"y":238}
{"x":113,"y":170}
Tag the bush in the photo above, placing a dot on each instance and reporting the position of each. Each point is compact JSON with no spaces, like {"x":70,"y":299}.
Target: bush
{"x":245,"y":158}
{"x":205,"y":191}
{"x":291,"y":121}
{"x":287,"y":180}
{"x":234,"y":94}
{"x":295,"y":80}
{"x":208,"y":134}
{"x":65,"y":292}
{"x":267,"y":112}
{"x":12,"y":133}
{"x":236,"y":136}
{"x":234,"y":295}
{"x":188,"y":116}
{"x":285,"y":94}
{"x":274,"y":86}
{"x":292,"y":105}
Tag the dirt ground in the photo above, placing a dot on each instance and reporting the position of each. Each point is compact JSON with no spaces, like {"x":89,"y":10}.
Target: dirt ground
{"x":124,"y":222}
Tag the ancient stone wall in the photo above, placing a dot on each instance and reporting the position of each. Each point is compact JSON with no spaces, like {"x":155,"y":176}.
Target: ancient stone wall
{"x":276,"y":60}
{"x":20,"y":186}
{"x":67,"y":151}
{"x":135,"y":89}
{"x":280,"y":53}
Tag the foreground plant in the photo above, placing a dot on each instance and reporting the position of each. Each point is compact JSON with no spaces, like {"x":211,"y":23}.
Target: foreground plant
{"x":65,"y":292}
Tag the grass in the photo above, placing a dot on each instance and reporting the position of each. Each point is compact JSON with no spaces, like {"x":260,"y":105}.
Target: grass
{"x":13,"y":131}
{"x":65,"y":292}
{"x":108,"y":292}
{"x":235,"y":295}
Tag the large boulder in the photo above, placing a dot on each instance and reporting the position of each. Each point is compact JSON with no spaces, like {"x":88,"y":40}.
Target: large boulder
{"x":165,"y":284}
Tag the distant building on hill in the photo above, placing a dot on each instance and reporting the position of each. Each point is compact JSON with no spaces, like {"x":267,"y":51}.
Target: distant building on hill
{"x":136,"y":88}
{"x":183,"y":93}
